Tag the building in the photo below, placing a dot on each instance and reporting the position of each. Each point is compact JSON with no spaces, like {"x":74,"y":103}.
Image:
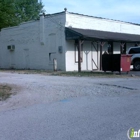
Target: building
{"x":74,"y":41}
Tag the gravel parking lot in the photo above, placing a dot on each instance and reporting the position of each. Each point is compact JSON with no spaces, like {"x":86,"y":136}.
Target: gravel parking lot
{"x":31,"y":89}
{"x":74,"y":108}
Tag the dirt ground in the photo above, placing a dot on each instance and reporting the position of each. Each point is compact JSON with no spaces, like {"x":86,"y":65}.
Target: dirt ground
{"x":5,"y":92}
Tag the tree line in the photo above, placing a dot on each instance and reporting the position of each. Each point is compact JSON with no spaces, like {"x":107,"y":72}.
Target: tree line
{"x":13,"y":12}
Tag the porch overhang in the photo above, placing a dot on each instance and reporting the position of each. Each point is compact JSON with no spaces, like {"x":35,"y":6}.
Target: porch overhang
{"x":97,"y":35}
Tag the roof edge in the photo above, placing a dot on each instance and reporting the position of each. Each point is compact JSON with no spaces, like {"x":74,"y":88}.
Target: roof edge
{"x":104,"y":18}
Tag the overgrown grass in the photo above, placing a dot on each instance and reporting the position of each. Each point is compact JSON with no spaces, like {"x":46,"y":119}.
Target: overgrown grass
{"x":5,"y":92}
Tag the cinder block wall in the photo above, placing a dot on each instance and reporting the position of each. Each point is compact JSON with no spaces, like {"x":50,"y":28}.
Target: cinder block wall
{"x":33,"y":44}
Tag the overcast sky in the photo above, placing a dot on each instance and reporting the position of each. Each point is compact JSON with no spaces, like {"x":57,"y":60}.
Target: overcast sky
{"x":124,"y":10}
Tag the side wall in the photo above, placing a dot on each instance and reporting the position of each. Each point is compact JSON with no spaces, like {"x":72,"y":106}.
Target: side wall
{"x":72,"y":56}
{"x":33,"y":44}
{"x":90,"y":55}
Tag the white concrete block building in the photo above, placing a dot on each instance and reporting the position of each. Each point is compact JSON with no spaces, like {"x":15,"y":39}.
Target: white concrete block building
{"x":74,"y":40}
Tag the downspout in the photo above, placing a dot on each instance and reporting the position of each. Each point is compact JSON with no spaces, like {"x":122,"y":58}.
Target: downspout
{"x":41,"y":31}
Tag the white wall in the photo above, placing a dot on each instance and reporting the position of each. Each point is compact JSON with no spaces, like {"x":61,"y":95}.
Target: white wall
{"x":87,"y":63}
{"x":54,"y":35}
{"x":71,"y":65}
{"x":32,"y":44}
{"x":88,"y":22}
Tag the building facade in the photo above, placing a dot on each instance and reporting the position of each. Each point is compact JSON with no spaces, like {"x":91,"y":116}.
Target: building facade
{"x":36,"y":44}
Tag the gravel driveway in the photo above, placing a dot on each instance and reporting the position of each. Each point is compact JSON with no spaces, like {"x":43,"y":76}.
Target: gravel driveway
{"x":32,"y":89}
{"x":74,"y":108}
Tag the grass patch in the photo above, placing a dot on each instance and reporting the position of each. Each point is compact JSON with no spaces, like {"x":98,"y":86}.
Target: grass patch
{"x":74,"y":73}
{"x":27,"y":71}
{"x":88,"y":74}
{"x":5,"y":92}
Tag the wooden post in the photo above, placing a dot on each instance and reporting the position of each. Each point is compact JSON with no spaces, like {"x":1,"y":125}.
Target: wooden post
{"x":98,"y":55}
{"x":79,"y":55}
{"x":101,"y":51}
{"x":101,"y":56}
{"x":121,"y":47}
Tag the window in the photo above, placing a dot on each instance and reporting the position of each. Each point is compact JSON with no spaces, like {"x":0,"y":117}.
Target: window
{"x":134,"y":51}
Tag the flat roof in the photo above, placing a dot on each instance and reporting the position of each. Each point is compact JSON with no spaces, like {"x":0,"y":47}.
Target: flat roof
{"x":86,"y":34}
{"x":91,"y":17}
{"x":104,"y":18}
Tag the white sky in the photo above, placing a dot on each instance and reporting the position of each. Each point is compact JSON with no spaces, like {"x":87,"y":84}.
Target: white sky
{"x":125,"y":10}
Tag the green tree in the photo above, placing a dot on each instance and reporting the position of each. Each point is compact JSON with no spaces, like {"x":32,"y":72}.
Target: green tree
{"x":13,"y":12}
{"x":28,"y":10}
{"x":7,"y":14}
